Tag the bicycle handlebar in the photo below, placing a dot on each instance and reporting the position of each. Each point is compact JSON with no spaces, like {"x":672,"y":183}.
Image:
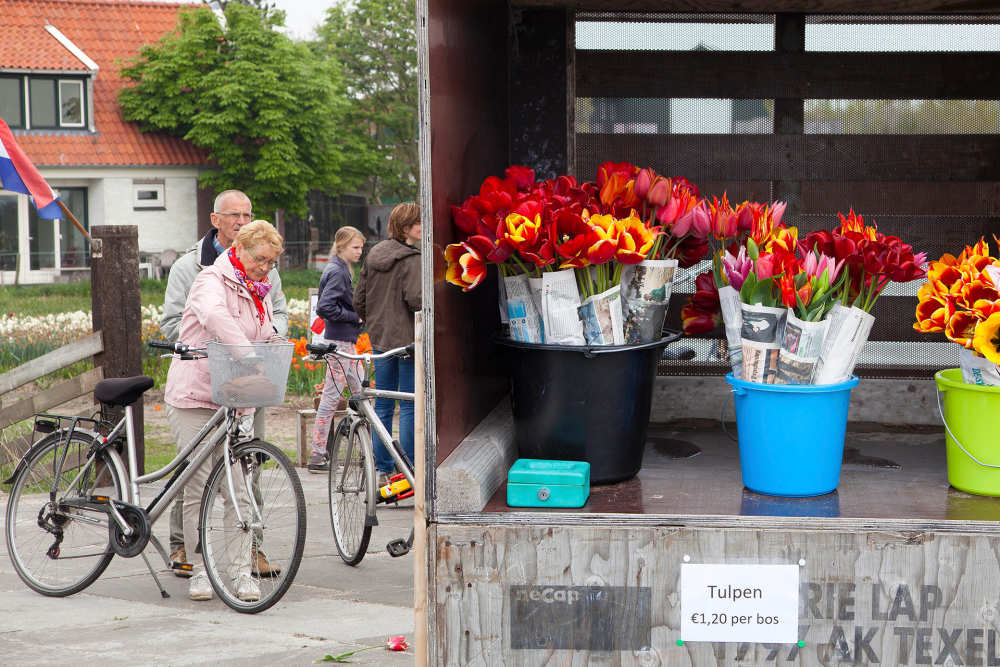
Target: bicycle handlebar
{"x":324,"y":349}
{"x":184,"y":350}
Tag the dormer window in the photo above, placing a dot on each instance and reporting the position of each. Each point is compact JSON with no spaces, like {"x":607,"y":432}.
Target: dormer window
{"x":51,"y":102}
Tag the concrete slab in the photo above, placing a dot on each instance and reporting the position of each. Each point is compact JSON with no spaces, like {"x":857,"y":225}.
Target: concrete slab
{"x":121,"y":619}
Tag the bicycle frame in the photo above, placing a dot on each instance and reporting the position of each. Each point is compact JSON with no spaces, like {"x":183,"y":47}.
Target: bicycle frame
{"x":174,"y":487}
{"x":367,"y":409}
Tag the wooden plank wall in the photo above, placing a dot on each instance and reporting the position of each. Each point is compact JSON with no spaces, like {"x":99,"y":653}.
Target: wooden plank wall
{"x":467,"y":67}
{"x":866,"y":597}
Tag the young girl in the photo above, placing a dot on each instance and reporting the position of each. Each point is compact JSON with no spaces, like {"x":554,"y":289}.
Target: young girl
{"x":342,"y":326}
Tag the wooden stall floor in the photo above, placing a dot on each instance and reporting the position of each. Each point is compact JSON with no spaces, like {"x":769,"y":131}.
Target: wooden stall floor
{"x":693,"y":469}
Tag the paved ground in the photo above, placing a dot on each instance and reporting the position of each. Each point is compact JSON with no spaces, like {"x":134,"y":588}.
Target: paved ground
{"x":122,"y":620}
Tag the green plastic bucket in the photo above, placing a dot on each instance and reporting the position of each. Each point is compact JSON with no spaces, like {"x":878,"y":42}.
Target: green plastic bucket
{"x":971,"y":415}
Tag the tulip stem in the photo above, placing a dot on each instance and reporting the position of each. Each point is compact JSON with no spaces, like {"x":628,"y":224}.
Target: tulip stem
{"x":524,"y":269}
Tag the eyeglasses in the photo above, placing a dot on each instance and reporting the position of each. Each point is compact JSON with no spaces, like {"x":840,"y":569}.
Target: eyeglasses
{"x":235,"y":214}
{"x":270,"y":264}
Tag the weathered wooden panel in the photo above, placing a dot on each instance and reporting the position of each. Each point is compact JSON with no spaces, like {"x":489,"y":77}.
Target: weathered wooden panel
{"x":466,"y":69}
{"x":76,"y":351}
{"x":805,"y":75}
{"x":810,"y":157}
{"x":866,"y":597}
{"x":56,"y":395}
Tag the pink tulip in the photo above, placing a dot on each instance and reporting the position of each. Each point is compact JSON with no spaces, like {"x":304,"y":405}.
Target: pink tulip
{"x":668,"y":213}
{"x":701,"y":224}
{"x":737,"y":268}
{"x":767,"y":265}
{"x":642,"y":182}
{"x":814,"y":267}
{"x":777,"y":210}
{"x":659,"y":191}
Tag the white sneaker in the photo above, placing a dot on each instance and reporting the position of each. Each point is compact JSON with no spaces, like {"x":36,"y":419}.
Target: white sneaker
{"x":247,"y":589}
{"x":200,"y":588}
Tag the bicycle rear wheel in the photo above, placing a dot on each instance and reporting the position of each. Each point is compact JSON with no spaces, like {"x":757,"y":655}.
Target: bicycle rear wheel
{"x":57,"y":549}
{"x":352,"y":489}
{"x":273,"y":513}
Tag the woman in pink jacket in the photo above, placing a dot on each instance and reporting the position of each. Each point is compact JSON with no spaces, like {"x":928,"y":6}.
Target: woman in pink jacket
{"x":228,"y":303}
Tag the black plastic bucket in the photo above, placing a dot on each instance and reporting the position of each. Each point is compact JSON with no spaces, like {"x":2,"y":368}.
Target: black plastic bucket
{"x":584,"y":403}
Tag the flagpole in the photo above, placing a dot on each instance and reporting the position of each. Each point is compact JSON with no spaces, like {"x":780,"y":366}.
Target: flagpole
{"x":72,"y":217}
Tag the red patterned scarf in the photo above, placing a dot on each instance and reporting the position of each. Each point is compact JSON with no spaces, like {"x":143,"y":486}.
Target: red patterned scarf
{"x":258,"y":289}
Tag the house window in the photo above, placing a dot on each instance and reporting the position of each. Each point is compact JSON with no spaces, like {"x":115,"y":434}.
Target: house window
{"x":12,"y":101}
{"x":42,"y":101}
{"x":148,"y":194}
{"x":71,"y":103}
{"x":51,"y":102}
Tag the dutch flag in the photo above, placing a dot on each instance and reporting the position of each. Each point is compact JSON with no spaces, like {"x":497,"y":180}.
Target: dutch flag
{"x":17,"y":174}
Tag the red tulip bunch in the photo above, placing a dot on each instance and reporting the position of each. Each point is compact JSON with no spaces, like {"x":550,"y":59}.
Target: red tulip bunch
{"x":872,"y":259}
{"x":625,"y":216}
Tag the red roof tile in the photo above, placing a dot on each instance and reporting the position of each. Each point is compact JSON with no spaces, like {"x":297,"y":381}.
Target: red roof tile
{"x":105,"y":30}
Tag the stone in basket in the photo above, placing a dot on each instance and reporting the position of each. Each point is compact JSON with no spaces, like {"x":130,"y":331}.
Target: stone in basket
{"x":249,"y":376}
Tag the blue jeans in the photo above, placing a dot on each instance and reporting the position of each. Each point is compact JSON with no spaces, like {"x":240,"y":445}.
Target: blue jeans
{"x":394,"y":374}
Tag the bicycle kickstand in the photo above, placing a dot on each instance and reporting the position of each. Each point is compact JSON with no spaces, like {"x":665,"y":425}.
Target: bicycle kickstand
{"x":152,"y":573}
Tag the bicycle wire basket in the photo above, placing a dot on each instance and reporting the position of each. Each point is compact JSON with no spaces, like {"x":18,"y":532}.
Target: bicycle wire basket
{"x":249,"y":376}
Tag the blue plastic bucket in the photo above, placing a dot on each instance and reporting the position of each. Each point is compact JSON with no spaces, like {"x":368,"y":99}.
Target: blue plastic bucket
{"x":791,"y":436}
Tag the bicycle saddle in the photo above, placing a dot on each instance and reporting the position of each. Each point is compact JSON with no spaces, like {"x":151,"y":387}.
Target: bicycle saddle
{"x":122,"y":391}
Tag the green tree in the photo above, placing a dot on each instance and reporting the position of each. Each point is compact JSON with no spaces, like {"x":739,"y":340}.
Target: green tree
{"x":266,"y":109}
{"x":375,"y":43}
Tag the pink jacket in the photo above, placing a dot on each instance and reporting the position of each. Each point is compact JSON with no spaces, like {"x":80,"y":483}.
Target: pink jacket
{"x":218,"y":308}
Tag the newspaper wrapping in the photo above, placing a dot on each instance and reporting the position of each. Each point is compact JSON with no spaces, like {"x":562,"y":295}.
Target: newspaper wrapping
{"x":761,"y":342}
{"x":502,"y":299}
{"x":523,"y":317}
{"x":560,"y":299}
{"x":732,"y":318}
{"x":646,"y":288}
{"x":978,"y":370}
{"x":535,"y":284}
{"x":800,"y":348}
{"x":846,"y":335}
{"x":601,"y":316}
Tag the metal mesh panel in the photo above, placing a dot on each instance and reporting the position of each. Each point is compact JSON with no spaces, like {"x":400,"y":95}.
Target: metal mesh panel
{"x":936,"y":216}
{"x":657,"y":115}
{"x":902,"y":33}
{"x":674,"y":32}
{"x":902,"y":116}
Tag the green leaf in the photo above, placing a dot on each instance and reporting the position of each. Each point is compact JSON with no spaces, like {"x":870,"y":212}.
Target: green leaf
{"x":752,"y":250}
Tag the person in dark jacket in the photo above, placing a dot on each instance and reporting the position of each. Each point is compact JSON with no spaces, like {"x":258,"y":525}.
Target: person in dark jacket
{"x":386,"y":297}
{"x":341,"y":327}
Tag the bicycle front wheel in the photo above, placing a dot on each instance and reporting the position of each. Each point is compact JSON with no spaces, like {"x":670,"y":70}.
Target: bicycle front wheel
{"x":57,"y":546}
{"x":352,"y":489}
{"x":252,"y":561}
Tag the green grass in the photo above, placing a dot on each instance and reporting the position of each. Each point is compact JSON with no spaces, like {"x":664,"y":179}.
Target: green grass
{"x":68,"y":297}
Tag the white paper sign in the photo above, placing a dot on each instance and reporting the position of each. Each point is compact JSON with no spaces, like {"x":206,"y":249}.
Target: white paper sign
{"x":740,"y":603}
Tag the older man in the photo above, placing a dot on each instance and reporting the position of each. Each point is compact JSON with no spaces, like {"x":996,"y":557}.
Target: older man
{"x":231,"y":211}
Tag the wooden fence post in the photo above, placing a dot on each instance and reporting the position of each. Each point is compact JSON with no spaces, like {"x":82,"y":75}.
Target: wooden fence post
{"x":115,"y":298}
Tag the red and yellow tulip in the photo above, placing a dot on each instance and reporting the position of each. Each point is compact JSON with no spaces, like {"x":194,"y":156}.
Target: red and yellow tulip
{"x":467,"y":262}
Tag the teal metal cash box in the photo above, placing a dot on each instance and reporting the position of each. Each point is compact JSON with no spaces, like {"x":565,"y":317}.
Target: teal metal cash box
{"x":543,"y":483}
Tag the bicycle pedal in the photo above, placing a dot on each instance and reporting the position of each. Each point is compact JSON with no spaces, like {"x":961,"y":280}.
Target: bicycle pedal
{"x":182,"y":569}
{"x":398,"y":548}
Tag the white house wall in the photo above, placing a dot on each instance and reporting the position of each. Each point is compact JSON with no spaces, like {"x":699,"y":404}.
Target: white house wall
{"x":110,"y":202}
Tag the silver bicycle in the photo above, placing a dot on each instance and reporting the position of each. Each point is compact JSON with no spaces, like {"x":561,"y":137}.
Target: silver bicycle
{"x":74,"y":503}
{"x":353,"y":491}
